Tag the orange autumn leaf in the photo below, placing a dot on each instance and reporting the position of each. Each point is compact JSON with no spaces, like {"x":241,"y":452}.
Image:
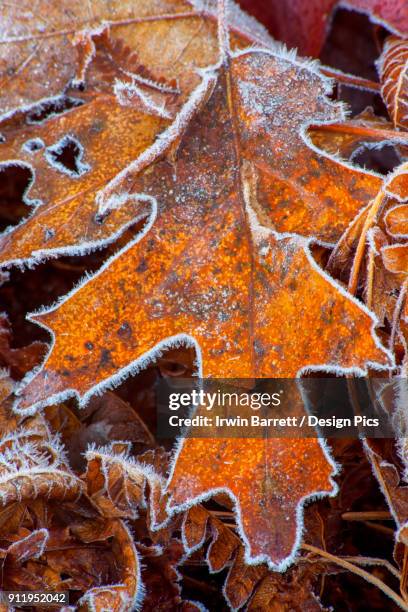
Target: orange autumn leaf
{"x":268,"y":491}
{"x":64,"y":218}
{"x":208,"y":266}
{"x":211,"y":270}
{"x":70,"y":146}
{"x":63,"y":194}
{"x":213,"y":169}
{"x":46,"y":48}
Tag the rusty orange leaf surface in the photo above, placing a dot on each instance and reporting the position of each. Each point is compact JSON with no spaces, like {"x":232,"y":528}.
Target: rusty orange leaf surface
{"x":63,"y":195}
{"x":71,"y":146}
{"x":40,"y":55}
{"x":208,"y":267}
{"x":212,"y":271}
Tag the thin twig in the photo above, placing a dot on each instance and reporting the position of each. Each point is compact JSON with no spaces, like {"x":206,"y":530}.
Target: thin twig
{"x":365,"y":131}
{"x":381,"y":528}
{"x":359,"y":572}
{"x":372,"y":515}
{"x":375,"y":561}
{"x":369,"y":561}
{"x":351,"y":80}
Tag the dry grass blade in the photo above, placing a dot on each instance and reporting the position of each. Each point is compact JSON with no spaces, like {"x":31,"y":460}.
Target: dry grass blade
{"x":359,"y":572}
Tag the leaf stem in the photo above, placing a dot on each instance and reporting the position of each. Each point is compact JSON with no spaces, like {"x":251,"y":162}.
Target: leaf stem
{"x":361,"y":130}
{"x":223,"y":32}
{"x":358,"y":257}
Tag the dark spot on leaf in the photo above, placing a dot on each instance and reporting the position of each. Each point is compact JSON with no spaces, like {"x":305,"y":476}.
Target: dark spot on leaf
{"x":125,"y":330}
{"x":105,"y":358}
{"x":258,"y":348}
{"x":33,"y":144}
{"x":142,"y":267}
{"x":97,"y":127}
{"x":100,"y":218}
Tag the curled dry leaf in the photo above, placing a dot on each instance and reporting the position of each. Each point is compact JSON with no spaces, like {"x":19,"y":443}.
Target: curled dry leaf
{"x":384,"y":459}
{"x":381,"y":285}
{"x":372,"y":253}
{"x":121,"y":486}
{"x":161,"y":577}
{"x":106,"y":419}
{"x":128,"y":594}
{"x":8,"y":419}
{"x":202,"y":530}
{"x":117,"y":484}
{"x":47,"y":526}
{"x":393,"y":71}
{"x":210,"y":272}
{"x":33,"y":465}
{"x":290,"y":592}
{"x":254,"y":587}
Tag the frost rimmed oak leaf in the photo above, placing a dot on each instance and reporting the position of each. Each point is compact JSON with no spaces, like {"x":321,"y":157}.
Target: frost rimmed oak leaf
{"x":252,"y":301}
{"x":39,"y":56}
{"x":109,"y":136}
{"x":107,"y":131}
